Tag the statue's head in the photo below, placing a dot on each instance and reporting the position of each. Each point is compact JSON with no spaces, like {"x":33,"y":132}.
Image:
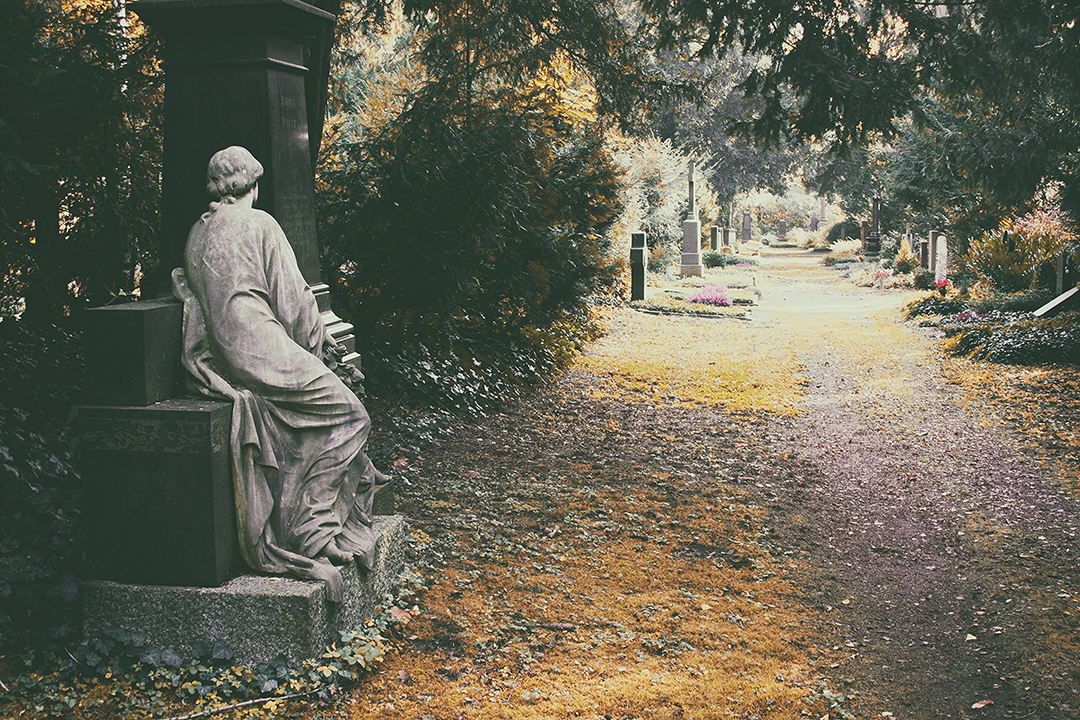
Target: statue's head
{"x":232,"y":172}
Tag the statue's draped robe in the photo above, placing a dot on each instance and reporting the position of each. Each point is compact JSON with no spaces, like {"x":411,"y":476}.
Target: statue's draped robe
{"x":253,"y":333}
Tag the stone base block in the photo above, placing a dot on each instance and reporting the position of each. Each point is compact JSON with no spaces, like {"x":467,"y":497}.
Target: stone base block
{"x":697,"y":270}
{"x":257,"y":616}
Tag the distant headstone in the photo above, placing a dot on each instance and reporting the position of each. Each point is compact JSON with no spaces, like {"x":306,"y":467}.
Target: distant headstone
{"x":823,"y":216}
{"x":1066,"y":299}
{"x":781,"y":234}
{"x":933,"y":250}
{"x":639,"y":258}
{"x":864,"y":232}
{"x":941,"y":261}
{"x":924,"y":254}
{"x":746,"y":227}
{"x":714,"y":239}
{"x":814,"y":222}
{"x":872,"y":242}
{"x":691,"y":253}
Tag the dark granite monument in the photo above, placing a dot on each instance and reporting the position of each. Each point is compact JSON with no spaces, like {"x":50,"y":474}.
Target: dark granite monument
{"x":872,"y":242}
{"x":639,"y":262}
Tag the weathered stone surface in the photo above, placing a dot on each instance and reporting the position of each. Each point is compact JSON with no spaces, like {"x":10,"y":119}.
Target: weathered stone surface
{"x":133,"y":353}
{"x":258,"y":617}
{"x":158,"y":502}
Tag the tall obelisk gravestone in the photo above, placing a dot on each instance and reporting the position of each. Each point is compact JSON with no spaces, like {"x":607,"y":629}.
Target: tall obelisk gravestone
{"x":691,"y":229}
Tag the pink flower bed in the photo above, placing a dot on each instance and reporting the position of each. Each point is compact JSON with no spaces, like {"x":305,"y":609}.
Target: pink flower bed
{"x":711,"y":295}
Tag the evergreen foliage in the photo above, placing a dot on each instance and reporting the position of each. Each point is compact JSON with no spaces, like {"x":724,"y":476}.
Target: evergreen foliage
{"x":80,"y":138}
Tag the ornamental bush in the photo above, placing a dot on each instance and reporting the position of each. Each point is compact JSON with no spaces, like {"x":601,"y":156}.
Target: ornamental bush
{"x":464,"y":249}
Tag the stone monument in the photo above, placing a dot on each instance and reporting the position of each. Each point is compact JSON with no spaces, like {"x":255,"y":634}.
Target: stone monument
{"x":746,"y":226}
{"x":714,"y":239}
{"x":781,"y":234}
{"x":823,"y":215}
{"x":934,"y":234}
{"x":924,"y":254}
{"x":160,"y":507}
{"x":814,"y":222}
{"x":941,"y":258}
{"x":639,"y":262}
{"x":872,"y":243}
{"x":691,"y":251}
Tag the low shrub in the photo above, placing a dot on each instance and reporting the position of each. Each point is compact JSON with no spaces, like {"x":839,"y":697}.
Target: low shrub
{"x":40,"y":488}
{"x":713,"y":259}
{"x":923,"y":280}
{"x":841,"y":230}
{"x":1017,"y":339}
{"x":1017,"y":254}
{"x":935,"y":305}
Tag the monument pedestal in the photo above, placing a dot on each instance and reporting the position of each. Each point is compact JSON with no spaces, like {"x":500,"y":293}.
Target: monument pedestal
{"x":256,"y":616}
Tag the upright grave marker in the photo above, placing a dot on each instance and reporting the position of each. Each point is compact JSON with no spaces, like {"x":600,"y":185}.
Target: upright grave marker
{"x":781,"y":234}
{"x":872,"y":243}
{"x":941,"y":259}
{"x":746,"y":227}
{"x":691,"y":253}
{"x":639,"y":259}
{"x":714,"y":239}
{"x":934,"y":234}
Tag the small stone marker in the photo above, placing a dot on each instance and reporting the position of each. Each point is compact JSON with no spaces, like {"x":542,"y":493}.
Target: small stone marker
{"x":924,"y":254}
{"x":864,"y":232}
{"x":714,"y":239}
{"x":823,"y":216}
{"x":814,"y":222}
{"x":933,"y":250}
{"x":691,"y":254}
{"x":1058,"y":304}
{"x":746,"y":227}
{"x":731,"y":239}
{"x":781,"y":234}
{"x":639,"y":254}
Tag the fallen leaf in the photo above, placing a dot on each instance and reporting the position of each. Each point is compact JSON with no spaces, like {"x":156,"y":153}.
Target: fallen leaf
{"x":970,"y":637}
{"x":981,"y":704}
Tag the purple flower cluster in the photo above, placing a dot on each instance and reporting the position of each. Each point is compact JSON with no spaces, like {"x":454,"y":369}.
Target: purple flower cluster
{"x":969,"y":315}
{"x":711,"y":295}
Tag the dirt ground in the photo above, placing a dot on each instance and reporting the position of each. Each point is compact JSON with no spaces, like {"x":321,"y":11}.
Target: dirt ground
{"x":810,"y":514}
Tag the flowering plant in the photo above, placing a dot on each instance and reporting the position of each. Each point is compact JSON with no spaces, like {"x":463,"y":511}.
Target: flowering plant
{"x":942,"y":283}
{"x":711,"y":295}
{"x":881,"y":273}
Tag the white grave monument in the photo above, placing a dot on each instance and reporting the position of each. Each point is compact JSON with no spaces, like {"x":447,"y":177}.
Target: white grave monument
{"x":941,"y":259}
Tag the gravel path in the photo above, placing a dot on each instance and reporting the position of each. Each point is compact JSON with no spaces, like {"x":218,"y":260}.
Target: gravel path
{"x":941,"y":550}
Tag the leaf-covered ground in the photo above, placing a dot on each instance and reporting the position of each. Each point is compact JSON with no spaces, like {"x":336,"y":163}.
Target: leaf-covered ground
{"x":810,"y":514}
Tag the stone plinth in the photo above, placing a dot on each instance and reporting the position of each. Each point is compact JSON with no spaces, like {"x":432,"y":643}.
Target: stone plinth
{"x":133,"y":352}
{"x":256,"y":616}
{"x":639,"y":261}
{"x":691,"y":265}
{"x":158,"y":501}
